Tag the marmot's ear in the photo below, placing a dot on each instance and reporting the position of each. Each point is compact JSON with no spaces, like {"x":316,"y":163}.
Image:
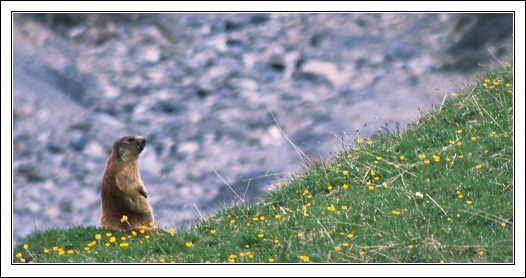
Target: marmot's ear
{"x":118,"y":152}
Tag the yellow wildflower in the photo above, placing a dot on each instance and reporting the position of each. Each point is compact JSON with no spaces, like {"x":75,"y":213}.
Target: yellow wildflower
{"x":124,"y":218}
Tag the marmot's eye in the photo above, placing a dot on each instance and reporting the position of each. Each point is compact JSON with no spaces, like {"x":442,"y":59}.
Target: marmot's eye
{"x":130,"y":140}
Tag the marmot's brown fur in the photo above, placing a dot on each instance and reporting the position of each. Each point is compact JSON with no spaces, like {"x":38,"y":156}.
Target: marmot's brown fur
{"x":122,"y":190}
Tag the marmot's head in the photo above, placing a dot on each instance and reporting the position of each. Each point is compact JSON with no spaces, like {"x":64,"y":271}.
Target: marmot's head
{"x":129,"y":147}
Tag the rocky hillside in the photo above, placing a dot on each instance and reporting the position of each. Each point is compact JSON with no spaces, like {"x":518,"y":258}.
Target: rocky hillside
{"x":199,"y":87}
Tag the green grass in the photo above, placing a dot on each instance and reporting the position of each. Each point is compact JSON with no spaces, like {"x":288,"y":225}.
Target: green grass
{"x":367,"y":205}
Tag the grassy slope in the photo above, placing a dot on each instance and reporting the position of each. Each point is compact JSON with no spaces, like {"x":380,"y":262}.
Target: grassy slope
{"x":374,"y":203}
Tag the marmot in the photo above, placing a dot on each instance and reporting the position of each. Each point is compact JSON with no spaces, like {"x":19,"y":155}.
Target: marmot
{"x":122,"y":190}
